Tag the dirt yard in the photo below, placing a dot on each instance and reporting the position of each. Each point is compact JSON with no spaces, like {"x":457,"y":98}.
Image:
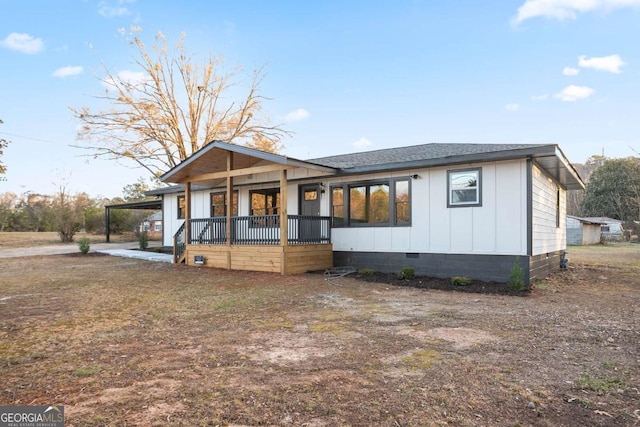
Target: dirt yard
{"x":126,"y":342}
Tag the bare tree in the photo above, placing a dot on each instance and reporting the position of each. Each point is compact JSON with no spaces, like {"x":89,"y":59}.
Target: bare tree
{"x":177,"y":107}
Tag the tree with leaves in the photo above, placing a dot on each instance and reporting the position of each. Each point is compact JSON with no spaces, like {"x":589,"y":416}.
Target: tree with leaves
{"x":575,"y":197}
{"x":3,"y":144}
{"x":174,"y":107}
{"x":135,"y":192}
{"x":614,"y":190}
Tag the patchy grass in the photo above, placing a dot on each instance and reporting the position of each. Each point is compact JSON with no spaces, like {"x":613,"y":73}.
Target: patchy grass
{"x":420,"y":359}
{"x":620,"y":255}
{"x":602,"y":384}
{"x":20,"y":239}
{"x":127,"y":342}
{"x":86,"y":371}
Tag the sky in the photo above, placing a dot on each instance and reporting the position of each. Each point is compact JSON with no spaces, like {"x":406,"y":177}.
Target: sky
{"x":341,"y":75}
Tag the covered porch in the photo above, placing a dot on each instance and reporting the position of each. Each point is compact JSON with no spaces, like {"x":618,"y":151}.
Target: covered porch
{"x":269,"y":239}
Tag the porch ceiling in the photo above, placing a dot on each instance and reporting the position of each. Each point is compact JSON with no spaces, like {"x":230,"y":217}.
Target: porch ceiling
{"x":209,"y":165}
{"x":215,"y":161}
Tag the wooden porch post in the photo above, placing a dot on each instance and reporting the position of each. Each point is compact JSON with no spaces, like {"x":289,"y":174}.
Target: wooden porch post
{"x":229,"y":205}
{"x":284,"y":220}
{"x":187,"y":213}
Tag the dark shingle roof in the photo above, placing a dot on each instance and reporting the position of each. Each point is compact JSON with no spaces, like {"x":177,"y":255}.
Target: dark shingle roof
{"x":425,"y":153}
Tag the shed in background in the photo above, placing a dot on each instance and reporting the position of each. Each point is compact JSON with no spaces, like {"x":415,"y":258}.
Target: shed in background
{"x":583,"y":231}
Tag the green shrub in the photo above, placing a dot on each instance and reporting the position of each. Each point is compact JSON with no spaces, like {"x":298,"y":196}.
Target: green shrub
{"x":83,"y":244}
{"x":407,"y":273}
{"x":143,"y":240}
{"x":460,"y":280}
{"x":516,"y":278}
{"x":366,"y":272}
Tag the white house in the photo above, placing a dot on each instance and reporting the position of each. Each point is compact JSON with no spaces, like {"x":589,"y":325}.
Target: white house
{"x":443,"y":209}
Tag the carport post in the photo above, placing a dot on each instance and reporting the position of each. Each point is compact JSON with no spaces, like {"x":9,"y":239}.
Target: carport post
{"x":107,"y":222}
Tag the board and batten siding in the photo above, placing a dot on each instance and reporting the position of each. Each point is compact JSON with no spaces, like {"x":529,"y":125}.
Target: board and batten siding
{"x":547,"y":235}
{"x":498,"y":227}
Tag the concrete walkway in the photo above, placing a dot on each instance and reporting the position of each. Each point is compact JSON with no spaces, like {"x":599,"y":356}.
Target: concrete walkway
{"x":115,"y":249}
{"x":147,"y":256}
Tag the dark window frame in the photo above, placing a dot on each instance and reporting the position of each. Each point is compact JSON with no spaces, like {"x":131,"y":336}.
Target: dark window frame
{"x":346,"y":187}
{"x":478,"y":187}
{"x":234,"y":203}
{"x":181,"y":209}
{"x":276,"y":196}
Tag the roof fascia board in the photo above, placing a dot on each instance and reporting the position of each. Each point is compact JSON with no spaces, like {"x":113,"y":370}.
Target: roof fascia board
{"x":455,"y":160}
{"x":270,"y":157}
{"x":569,"y":167}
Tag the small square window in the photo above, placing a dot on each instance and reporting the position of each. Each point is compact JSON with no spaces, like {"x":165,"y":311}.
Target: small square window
{"x":464,"y":188}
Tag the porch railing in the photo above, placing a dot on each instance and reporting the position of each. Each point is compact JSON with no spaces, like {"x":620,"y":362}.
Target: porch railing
{"x":260,"y":230}
{"x":179,"y":245}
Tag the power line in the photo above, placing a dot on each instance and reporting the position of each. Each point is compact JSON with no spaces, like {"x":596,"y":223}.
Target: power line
{"x":25,"y":137}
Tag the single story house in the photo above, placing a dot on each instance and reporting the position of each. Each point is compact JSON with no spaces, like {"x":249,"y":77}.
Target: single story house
{"x":443,"y":209}
{"x":152,"y":224}
{"x":583,"y":231}
{"x":612,"y":229}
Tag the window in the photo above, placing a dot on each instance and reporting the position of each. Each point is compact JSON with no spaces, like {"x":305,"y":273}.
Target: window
{"x":463,"y":187}
{"x":265,"y":202}
{"x":219,"y":204}
{"x":376,"y":203}
{"x":557,"y":207}
{"x":158,"y":226}
{"x":337,"y":207}
{"x":369,"y":204}
{"x":402,"y":202}
{"x":181,"y":207}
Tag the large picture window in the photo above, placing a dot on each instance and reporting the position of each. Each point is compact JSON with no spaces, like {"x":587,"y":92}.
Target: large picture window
{"x":375,"y":203}
{"x":265,"y":202}
{"x":464,"y":188}
{"x":219,"y":204}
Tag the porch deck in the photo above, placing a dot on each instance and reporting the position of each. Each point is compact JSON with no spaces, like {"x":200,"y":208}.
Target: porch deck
{"x":254,"y":243}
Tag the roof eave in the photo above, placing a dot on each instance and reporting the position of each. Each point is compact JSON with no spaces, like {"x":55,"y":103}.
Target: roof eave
{"x":263,"y":155}
{"x":455,"y":160}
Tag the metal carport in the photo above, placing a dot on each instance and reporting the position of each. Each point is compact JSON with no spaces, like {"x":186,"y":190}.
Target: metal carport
{"x":152,"y":205}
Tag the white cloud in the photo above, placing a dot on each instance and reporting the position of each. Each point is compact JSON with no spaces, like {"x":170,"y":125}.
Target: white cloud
{"x":569,"y":71}
{"x":126,"y":76}
{"x":512,"y":107}
{"x":109,"y":11}
{"x":566,"y":9}
{"x":24,"y":43}
{"x":611,"y":63}
{"x":362,"y":143}
{"x":574,"y":93}
{"x":68,"y":71}
{"x":542,"y":97}
{"x":297,"y":115}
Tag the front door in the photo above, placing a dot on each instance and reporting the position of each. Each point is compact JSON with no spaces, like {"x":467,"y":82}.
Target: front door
{"x":309,"y":224}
